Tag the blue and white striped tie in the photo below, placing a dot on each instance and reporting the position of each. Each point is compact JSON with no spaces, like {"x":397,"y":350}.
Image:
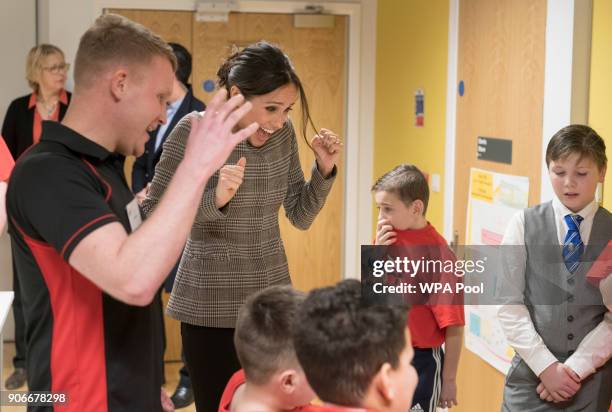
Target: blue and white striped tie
{"x":572,"y":245}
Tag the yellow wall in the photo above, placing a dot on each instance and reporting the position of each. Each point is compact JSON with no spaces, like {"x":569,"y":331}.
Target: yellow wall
{"x":412,"y":49}
{"x":601,"y":83}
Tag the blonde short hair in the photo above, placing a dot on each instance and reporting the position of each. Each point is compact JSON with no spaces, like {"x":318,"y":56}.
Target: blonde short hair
{"x":112,"y":39}
{"x":34,"y":62}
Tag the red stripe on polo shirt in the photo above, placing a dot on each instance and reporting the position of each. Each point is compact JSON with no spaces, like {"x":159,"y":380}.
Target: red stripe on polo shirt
{"x":82,"y":228}
{"x":78,"y":361}
{"x":108,"y":186}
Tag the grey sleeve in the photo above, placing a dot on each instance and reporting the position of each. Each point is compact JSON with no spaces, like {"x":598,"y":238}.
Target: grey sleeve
{"x":304,"y":200}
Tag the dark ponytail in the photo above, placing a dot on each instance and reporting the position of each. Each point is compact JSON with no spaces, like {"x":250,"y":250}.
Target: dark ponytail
{"x":260,"y":69}
{"x":224,"y":71}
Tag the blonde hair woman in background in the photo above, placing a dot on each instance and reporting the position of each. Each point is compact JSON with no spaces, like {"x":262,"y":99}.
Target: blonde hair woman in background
{"x":46,"y":71}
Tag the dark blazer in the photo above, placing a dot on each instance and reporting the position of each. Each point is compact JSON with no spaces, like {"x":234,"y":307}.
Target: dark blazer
{"x":18,"y":125}
{"x":144,"y":166}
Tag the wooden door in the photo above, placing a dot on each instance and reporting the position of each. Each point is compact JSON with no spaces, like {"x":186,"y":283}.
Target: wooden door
{"x":501,"y":61}
{"x":318,"y":55}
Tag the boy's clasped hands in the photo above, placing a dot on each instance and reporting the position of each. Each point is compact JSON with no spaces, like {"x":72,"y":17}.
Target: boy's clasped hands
{"x":559,"y":383}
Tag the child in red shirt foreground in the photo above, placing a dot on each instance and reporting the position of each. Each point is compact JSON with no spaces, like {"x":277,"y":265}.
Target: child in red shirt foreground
{"x":355,"y":356}
{"x":271,"y":379}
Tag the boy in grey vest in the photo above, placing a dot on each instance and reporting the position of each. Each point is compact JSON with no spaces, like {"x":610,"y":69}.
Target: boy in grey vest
{"x":552,"y":316}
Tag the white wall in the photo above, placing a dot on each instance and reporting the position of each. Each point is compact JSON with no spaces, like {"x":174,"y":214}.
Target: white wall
{"x":17,"y":37}
{"x":566,"y":72}
{"x":63,"y":24}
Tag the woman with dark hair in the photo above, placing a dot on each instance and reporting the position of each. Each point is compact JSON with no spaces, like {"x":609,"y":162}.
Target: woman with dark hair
{"x":235,"y":247}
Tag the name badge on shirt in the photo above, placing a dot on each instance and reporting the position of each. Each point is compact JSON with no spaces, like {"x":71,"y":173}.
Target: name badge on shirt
{"x":133,"y":212}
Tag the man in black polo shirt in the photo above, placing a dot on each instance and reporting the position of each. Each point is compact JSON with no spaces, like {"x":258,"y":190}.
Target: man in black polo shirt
{"x":89,"y":266}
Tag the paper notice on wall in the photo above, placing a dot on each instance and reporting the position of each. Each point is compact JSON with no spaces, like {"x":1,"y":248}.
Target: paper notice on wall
{"x":485,"y":337}
{"x":492,"y":201}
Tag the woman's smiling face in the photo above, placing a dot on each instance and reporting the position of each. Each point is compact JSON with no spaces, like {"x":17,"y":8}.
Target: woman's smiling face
{"x":269,"y":110}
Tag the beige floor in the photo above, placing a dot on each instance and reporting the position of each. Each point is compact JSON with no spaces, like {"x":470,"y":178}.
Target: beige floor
{"x":9,"y":351}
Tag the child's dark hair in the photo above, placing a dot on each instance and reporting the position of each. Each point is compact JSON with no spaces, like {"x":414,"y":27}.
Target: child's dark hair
{"x":407,"y":182}
{"x":579,"y":139}
{"x":260,"y":69}
{"x":342,"y":342}
{"x":264,"y":332}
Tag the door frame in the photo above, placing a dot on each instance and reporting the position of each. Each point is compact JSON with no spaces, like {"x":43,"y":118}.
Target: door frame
{"x":359,"y":115}
{"x":451,"y":118}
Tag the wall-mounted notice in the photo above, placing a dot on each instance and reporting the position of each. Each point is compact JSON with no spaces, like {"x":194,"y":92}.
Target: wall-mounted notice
{"x":493,"y":199}
{"x":419,"y":108}
{"x":494,"y":150}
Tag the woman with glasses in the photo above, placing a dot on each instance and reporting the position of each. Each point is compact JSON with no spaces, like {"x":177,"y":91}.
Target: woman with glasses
{"x":46,"y":74}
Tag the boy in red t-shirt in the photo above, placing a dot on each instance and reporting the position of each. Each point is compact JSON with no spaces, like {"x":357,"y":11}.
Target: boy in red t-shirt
{"x":356,"y":356}
{"x":272,"y":379}
{"x":6,"y":166}
{"x":402,"y":196}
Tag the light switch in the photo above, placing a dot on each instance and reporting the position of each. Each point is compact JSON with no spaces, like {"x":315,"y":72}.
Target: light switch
{"x":435,"y":182}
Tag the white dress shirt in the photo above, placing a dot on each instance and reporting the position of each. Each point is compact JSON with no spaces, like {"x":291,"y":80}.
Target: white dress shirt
{"x":595,"y":349}
{"x":171,"y":110}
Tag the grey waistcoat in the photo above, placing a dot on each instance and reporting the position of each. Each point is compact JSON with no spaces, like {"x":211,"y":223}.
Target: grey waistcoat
{"x":564,"y":308}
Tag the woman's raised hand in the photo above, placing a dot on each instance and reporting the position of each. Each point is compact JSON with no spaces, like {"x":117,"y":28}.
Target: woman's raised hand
{"x":327,"y":148}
